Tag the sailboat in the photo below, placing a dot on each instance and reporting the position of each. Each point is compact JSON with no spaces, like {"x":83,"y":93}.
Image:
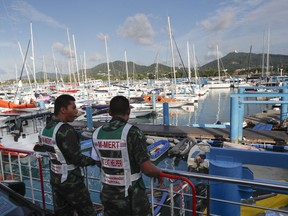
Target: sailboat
{"x":218,"y":83}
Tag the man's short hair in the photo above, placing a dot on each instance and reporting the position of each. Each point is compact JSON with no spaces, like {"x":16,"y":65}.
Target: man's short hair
{"x":119,"y":105}
{"x":62,"y":101}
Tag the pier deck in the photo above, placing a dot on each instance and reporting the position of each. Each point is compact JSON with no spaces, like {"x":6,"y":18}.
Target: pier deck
{"x":250,"y":136}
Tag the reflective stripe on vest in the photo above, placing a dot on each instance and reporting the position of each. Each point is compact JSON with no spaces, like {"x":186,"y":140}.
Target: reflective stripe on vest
{"x":61,"y":168}
{"x":119,"y":163}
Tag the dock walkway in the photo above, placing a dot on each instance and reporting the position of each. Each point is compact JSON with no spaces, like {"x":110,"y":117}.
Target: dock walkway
{"x":250,"y":136}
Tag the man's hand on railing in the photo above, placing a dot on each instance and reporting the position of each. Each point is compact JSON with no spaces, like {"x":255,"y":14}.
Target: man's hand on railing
{"x":160,"y":180}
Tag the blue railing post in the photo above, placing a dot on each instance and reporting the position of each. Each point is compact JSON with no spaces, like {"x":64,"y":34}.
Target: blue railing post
{"x":154,"y":102}
{"x":165,"y":113}
{"x":284,"y":106}
{"x":241,"y":114}
{"x":89,"y":117}
{"x":172,"y":93}
{"x":234,"y":117}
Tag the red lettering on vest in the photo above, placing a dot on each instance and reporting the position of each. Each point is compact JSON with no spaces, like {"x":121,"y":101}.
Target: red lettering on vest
{"x":108,"y":144}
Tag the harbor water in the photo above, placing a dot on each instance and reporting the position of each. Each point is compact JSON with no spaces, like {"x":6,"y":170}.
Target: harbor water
{"x":213,"y":107}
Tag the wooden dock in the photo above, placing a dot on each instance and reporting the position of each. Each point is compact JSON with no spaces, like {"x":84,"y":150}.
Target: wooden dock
{"x":250,"y":136}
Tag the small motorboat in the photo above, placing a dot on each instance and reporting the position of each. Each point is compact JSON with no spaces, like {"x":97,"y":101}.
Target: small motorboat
{"x":157,"y":149}
{"x":182,"y":148}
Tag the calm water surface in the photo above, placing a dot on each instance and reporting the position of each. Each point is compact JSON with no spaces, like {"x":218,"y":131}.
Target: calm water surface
{"x":212,"y":107}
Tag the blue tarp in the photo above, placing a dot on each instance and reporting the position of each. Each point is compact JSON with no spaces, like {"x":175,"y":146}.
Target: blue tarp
{"x":262,"y":127}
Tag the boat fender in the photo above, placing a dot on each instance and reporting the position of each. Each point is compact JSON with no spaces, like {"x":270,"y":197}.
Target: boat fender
{"x":150,"y":141}
{"x":176,"y":141}
{"x":172,"y":144}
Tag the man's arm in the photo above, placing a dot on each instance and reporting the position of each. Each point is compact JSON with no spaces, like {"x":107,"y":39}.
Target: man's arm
{"x":68,"y":143}
{"x":149,"y":169}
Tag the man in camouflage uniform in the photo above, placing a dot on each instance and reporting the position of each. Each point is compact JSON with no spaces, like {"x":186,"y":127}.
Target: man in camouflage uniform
{"x":122,"y":151}
{"x":61,"y":142}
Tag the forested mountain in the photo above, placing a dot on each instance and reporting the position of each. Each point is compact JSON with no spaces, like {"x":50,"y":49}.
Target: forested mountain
{"x":233,"y":63}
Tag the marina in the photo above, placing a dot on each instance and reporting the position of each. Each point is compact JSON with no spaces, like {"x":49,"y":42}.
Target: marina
{"x":177,"y":138}
{"x":185,"y":144}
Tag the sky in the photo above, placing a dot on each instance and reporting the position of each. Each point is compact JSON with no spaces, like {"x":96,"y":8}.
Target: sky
{"x":60,"y":30}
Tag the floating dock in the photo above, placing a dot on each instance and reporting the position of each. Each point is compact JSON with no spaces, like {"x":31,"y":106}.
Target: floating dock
{"x":250,"y":135}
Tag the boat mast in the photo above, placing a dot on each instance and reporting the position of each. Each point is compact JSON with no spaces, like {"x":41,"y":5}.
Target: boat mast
{"x":172,"y":51}
{"x":25,"y":65}
{"x":126,"y":67}
{"x":33,"y":55}
{"x":263,"y":57}
{"x":71,"y":67}
{"x":268,"y":50}
{"x":85,"y":67}
{"x":188,"y":58}
{"x":107,"y":59}
{"x":218,"y":62}
{"x":76,"y":59}
{"x":195,"y":66}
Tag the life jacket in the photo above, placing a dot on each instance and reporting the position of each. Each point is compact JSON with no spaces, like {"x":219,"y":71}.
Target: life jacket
{"x":48,"y":138}
{"x":117,"y":141}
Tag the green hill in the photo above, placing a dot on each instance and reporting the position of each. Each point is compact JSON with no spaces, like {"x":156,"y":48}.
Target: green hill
{"x":233,"y":63}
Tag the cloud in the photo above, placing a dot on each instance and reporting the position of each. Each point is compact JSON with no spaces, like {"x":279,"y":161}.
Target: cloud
{"x":138,"y":28}
{"x":62,"y":49}
{"x":222,"y":20}
{"x":96,"y":57}
{"x":21,"y":10}
{"x":102,"y":36}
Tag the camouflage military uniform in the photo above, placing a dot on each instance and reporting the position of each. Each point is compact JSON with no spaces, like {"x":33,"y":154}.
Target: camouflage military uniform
{"x":72,"y":194}
{"x":113,"y":197}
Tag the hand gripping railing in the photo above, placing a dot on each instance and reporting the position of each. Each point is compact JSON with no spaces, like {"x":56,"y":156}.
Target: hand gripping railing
{"x":20,"y":154}
{"x":175,"y":177}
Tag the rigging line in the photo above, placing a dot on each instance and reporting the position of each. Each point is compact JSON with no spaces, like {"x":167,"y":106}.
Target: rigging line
{"x":180,"y":56}
{"x":182,"y":63}
{"x":24,"y":62}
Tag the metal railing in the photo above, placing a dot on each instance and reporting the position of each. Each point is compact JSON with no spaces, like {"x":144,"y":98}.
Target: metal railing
{"x":33,"y":169}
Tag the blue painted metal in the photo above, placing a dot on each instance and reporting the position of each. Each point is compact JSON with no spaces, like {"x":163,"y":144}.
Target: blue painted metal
{"x":172,"y":93}
{"x":237,"y":107}
{"x":241,"y":117}
{"x":154,"y":102}
{"x":165,"y":113}
{"x":89,"y":118}
{"x":284,"y":106}
{"x":234,"y":118}
{"x":42,"y":104}
{"x":227,"y":191}
{"x":210,"y":125}
{"x":228,"y":163}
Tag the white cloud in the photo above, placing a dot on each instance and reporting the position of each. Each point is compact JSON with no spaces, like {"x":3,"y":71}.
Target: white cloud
{"x":138,"y":28}
{"x":63,"y":50}
{"x":102,"y":36}
{"x":22,"y":11}
{"x":222,"y":20}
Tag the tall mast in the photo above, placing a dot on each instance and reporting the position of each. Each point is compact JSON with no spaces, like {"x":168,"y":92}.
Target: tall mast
{"x":33,"y":55}
{"x":25,"y":65}
{"x":107,"y":58}
{"x":218,"y":62}
{"x":268,"y":50}
{"x":71,"y":67}
{"x":172,"y":51}
{"x":85,"y":72}
{"x":188,"y":59}
{"x":126,"y":67}
{"x":44,"y":70}
{"x":76,"y":59}
{"x":195,"y":65}
{"x":263,"y":57}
